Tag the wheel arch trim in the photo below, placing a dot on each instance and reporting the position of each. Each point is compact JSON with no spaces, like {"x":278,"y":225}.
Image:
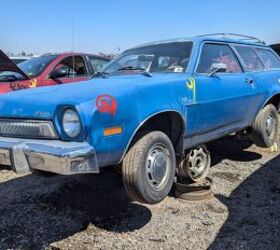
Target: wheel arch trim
{"x":270,"y":98}
{"x":144,"y":121}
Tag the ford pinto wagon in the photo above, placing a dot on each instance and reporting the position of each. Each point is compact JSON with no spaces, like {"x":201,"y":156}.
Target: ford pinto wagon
{"x":49,"y":69}
{"x":149,"y":112}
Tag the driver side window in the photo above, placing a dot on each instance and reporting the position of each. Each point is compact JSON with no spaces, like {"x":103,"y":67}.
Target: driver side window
{"x":218,"y":54}
{"x":74,"y":66}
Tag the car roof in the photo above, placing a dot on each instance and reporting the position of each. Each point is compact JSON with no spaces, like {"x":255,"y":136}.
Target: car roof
{"x":75,"y":54}
{"x":216,"y":37}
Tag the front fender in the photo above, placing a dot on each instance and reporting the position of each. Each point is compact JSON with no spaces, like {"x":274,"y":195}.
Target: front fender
{"x":133,"y":109}
{"x":109,"y":148}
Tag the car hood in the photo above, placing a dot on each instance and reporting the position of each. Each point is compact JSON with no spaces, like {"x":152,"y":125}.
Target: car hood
{"x":42,"y":102}
{"x":6,"y":64}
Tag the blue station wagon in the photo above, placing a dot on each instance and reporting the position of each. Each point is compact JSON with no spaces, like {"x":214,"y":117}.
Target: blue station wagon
{"x":149,"y":112}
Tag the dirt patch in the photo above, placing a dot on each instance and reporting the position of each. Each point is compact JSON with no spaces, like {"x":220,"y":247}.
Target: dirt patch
{"x":93,"y":212}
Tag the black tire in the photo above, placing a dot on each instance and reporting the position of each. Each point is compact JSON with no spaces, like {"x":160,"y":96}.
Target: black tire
{"x":137,"y":179}
{"x":260,"y":132}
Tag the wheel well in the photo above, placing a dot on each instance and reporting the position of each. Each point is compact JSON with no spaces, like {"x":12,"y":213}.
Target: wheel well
{"x":171,"y":123}
{"x":275,"y":100}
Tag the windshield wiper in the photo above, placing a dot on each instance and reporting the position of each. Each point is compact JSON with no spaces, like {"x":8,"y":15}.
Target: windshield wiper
{"x":145,"y":72}
{"x":130,"y":68}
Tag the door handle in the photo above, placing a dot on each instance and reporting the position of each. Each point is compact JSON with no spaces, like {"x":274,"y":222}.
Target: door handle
{"x":249,"y":81}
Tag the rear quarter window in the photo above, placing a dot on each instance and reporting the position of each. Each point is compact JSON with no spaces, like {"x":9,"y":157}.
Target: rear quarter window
{"x":250,"y":58}
{"x":270,"y":60}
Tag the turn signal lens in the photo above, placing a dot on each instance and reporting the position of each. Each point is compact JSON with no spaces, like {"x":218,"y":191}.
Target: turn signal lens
{"x":112,"y":131}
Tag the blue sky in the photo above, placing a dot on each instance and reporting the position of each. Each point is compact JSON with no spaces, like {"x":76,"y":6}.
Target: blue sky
{"x":41,"y":26}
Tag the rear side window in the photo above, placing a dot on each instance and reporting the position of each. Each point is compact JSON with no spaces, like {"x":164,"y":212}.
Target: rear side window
{"x":218,"y":54}
{"x":270,"y":60}
{"x":250,"y":58}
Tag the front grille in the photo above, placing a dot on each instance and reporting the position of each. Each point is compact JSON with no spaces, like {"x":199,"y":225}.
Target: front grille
{"x":27,"y":129}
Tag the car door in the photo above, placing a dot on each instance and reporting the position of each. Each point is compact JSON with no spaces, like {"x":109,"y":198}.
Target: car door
{"x":76,"y":70}
{"x":224,"y":101}
{"x":264,"y":65}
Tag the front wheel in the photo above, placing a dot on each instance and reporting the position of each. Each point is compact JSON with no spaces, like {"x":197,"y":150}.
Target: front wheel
{"x":265,"y":127}
{"x":148,"y":168}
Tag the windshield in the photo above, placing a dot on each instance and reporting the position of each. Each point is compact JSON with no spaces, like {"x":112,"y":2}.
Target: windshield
{"x":36,"y":65}
{"x":168,"y":57}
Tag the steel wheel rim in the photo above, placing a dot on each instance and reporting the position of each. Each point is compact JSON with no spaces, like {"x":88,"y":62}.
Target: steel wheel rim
{"x":199,"y":162}
{"x":158,"y":166}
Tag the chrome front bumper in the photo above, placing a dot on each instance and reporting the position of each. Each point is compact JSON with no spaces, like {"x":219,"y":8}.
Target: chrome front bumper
{"x":65,"y":158}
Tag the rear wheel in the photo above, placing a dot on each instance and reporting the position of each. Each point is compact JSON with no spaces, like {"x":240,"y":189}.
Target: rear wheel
{"x":265,"y":127}
{"x":148,"y":168}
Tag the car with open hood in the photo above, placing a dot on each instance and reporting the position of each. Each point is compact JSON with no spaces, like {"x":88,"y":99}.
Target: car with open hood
{"x":149,"y":112}
{"x":48,"y":69}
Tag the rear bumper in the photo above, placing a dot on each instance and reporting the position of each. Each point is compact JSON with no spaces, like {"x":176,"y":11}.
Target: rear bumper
{"x":54,"y":156}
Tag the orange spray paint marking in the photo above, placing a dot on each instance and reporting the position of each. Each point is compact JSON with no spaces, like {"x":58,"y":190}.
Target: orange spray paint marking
{"x":33,"y":83}
{"x":106,"y":104}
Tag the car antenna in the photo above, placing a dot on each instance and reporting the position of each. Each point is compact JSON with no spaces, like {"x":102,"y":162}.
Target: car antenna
{"x":72,"y":34}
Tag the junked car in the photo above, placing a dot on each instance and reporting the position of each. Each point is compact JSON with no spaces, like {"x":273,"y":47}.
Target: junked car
{"x":48,"y":69}
{"x":149,"y":112}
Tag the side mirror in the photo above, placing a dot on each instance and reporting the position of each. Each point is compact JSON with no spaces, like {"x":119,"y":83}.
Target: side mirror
{"x":58,"y":73}
{"x":218,"y":68}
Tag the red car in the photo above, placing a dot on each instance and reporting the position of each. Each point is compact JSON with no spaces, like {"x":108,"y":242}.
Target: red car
{"x":49,"y":69}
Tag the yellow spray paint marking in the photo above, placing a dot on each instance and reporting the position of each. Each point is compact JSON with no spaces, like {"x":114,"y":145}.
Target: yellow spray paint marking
{"x":192,"y":86}
{"x":274,"y":148}
{"x":33,"y":83}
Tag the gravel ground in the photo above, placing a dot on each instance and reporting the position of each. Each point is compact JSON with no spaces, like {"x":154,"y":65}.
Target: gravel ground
{"x":93,"y":212}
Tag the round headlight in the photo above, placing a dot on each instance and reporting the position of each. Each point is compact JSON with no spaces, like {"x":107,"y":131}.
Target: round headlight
{"x":71,"y":123}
